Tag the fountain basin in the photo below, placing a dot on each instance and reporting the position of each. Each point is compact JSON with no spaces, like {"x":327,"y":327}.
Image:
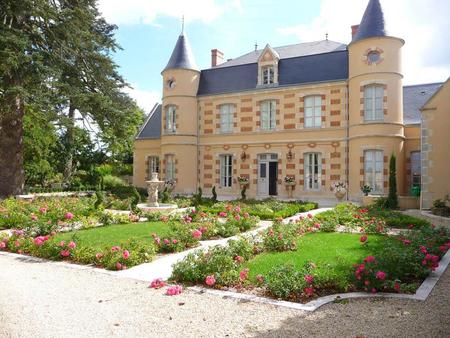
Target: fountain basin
{"x":162,"y":208}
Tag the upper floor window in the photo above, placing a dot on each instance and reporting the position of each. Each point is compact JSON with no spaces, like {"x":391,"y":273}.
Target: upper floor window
{"x":153,"y":165}
{"x":226,"y":170}
{"x":226,"y":118}
{"x":313,"y":111}
{"x":268,"y":111}
{"x":170,"y":168}
{"x":373,"y":170}
{"x":313,"y":171}
{"x":171,"y":125}
{"x":373,"y":103}
{"x":268,"y":75}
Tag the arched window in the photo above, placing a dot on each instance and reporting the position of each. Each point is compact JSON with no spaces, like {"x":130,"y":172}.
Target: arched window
{"x":373,"y":103}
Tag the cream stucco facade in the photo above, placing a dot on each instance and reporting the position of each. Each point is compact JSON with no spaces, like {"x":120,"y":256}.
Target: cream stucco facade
{"x":341,"y":145}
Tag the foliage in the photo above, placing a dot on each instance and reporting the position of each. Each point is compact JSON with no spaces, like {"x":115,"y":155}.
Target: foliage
{"x":219,"y":261}
{"x":441,"y":207}
{"x":243,"y":195}
{"x":392,"y":200}
{"x":366,"y":189}
{"x":396,"y":219}
{"x":286,"y":282}
{"x":279,"y":237}
{"x":110,"y":181}
{"x":214,"y":194}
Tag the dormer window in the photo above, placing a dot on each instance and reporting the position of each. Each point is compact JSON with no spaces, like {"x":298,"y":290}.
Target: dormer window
{"x":268,"y":74}
{"x":268,"y":67}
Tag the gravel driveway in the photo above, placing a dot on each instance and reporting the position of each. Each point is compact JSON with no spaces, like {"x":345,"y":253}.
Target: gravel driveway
{"x":48,"y":300}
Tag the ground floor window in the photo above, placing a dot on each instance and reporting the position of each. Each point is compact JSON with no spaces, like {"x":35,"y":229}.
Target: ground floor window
{"x":226,"y":170}
{"x":170,"y":168}
{"x":415,"y":168}
{"x":153,"y":165}
{"x":373,"y":170}
{"x":313,"y":163}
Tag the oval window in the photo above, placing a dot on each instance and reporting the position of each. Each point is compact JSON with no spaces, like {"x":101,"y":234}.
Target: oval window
{"x":373,"y":56}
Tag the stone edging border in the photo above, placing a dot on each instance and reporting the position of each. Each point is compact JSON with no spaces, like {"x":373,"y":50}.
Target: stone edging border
{"x":421,"y":294}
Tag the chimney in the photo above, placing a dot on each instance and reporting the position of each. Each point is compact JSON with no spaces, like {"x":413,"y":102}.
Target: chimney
{"x":216,"y":57}
{"x":354,"y":30}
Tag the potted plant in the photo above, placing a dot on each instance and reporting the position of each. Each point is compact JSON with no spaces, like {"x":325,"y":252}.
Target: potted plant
{"x":339,"y":189}
{"x":366,"y":189}
{"x":289,"y":180}
{"x":243,"y":181}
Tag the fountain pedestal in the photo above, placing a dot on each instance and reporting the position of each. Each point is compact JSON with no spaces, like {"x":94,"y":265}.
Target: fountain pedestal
{"x":152,"y":205}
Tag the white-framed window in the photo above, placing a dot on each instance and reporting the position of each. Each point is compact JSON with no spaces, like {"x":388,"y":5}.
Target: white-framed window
{"x":226,"y":170}
{"x":268,"y":75}
{"x":313,"y":171}
{"x":373,"y":170}
{"x":226,"y":118}
{"x":171,"y":125}
{"x":170,"y":168}
{"x":373,"y":103}
{"x":153,"y":165}
{"x":313,"y":111}
{"x":268,"y":112}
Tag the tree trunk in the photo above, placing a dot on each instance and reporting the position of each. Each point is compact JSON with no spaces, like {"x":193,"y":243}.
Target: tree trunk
{"x":68,"y":168}
{"x":12,"y":176}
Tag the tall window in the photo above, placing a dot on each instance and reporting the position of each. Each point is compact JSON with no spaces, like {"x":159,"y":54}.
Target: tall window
{"x":153,"y":165}
{"x":373,"y":170}
{"x":226,"y":118}
{"x":415,"y":168}
{"x":170,"y":168}
{"x":268,"y":111}
{"x":313,"y":170}
{"x":268,"y":75}
{"x":373,"y":103}
{"x":171,"y":119}
{"x":313,"y":111}
{"x":226,"y":170}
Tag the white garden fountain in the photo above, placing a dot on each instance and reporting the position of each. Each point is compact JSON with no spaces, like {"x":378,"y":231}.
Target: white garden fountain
{"x":153,"y":187}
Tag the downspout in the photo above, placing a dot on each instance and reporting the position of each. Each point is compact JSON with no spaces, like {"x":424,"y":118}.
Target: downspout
{"x":347,"y":153}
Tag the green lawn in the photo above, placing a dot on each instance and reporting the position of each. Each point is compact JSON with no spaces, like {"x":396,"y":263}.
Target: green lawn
{"x":336,"y":251}
{"x":116,"y":234}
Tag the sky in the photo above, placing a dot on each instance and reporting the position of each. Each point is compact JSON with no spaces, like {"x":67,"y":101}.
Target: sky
{"x":148,"y":30}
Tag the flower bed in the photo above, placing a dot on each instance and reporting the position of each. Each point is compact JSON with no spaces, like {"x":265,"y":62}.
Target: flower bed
{"x":306,"y":259}
{"x":269,"y":209}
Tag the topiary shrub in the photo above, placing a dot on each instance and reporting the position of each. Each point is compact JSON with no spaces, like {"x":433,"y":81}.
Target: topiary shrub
{"x":214,"y":194}
{"x":392,"y":200}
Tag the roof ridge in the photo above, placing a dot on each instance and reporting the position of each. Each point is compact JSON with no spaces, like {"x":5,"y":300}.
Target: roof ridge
{"x":424,"y":84}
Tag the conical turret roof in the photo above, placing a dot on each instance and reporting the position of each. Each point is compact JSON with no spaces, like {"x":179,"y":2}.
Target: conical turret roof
{"x":372,"y":23}
{"x":182,"y":56}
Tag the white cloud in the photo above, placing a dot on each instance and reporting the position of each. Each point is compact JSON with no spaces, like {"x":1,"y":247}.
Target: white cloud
{"x":147,"y":11}
{"x":145,"y":99}
{"x":421,"y":23}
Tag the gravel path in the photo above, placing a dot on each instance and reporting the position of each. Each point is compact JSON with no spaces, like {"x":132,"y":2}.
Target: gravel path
{"x":50,"y":300}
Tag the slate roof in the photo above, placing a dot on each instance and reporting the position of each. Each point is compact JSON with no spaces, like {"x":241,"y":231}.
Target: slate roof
{"x":414,"y":97}
{"x":182,"y":56}
{"x":372,"y":23}
{"x":151,"y":128}
{"x":330,"y":66}
{"x":289,"y":51}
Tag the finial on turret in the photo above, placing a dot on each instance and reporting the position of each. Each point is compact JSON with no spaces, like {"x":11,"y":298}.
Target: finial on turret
{"x":326,"y":36}
{"x":182,"y":24}
{"x":256,"y":46}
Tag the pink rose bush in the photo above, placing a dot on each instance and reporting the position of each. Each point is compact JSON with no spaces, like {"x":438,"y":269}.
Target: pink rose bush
{"x":210,"y":280}
{"x":157,"y":283}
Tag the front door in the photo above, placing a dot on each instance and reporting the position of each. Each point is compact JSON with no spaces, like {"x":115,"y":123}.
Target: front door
{"x":273,"y":169}
{"x":267,"y":174}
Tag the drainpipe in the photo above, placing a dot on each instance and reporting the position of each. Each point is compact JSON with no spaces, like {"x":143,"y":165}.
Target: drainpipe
{"x":347,"y":153}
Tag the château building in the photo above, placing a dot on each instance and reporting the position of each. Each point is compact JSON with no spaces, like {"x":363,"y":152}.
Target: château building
{"x":318,"y":112}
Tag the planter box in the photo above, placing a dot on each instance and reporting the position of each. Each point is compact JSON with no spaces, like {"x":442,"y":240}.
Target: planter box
{"x":370,"y":199}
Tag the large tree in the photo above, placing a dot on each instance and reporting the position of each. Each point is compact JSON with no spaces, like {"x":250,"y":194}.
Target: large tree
{"x":55,"y":56}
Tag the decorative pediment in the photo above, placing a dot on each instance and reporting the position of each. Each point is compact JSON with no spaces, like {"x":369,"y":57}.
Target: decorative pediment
{"x":269,"y":54}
